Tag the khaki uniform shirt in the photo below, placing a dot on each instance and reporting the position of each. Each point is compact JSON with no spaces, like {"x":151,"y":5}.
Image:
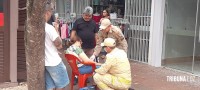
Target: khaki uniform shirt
{"x":114,"y":33}
{"x":116,"y":64}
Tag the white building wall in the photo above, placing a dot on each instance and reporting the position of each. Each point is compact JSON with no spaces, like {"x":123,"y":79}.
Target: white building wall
{"x":156,"y":32}
{"x":13,"y":39}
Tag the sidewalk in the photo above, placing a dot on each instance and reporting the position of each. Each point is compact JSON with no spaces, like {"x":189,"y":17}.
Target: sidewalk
{"x":147,"y":77}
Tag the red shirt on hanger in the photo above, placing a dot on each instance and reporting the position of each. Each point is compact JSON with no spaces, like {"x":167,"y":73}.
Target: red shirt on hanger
{"x":1,"y":19}
{"x":96,"y":18}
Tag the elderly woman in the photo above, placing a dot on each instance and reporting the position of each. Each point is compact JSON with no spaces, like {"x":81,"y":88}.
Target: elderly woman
{"x":76,"y":50}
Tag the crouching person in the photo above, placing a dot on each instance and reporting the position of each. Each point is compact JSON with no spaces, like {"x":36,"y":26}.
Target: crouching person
{"x":115,"y":73}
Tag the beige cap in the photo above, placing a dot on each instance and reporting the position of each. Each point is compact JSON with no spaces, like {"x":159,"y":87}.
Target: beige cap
{"x":105,"y":23}
{"x":110,"y":42}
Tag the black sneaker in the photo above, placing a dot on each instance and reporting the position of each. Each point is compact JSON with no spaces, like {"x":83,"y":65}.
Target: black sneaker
{"x":75,"y":80}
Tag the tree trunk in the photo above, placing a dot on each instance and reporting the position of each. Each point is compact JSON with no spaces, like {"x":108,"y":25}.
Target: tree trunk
{"x":34,"y":44}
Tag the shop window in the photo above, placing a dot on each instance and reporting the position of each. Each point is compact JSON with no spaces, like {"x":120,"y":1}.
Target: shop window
{"x":1,"y":13}
{"x":115,"y":7}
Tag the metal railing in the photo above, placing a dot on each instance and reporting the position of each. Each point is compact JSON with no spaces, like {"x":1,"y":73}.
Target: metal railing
{"x":138,"y":13}
{"x":79,"y":6}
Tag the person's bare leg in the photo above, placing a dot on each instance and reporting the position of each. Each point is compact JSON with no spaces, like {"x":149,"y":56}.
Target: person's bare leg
{"x":52,"y":89}
{"x":68,"y":87}
{"x":60,"y":89}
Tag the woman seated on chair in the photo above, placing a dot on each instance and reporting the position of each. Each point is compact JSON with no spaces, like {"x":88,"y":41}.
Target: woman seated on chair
{"x":76,"y":50}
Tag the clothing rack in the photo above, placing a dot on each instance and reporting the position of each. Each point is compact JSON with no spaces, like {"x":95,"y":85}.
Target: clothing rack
{"x":119,"y":21}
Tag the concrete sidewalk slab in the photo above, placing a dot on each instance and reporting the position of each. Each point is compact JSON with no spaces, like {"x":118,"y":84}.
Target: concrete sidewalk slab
{"x":146,"y":77}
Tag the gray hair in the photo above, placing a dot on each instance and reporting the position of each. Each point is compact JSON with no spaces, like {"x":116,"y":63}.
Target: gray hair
{"x":88,"y":10}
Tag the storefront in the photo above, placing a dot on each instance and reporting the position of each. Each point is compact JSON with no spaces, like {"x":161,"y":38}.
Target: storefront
{"x":9,"y":43}
{"x":161,"y":32}
{"x":174,"y":35}
{"x":181,"y":40}
{"x":115,"y":7}
{"x":12,"y":49}
{"x":65,"y":8}
{"x":4,"y":41}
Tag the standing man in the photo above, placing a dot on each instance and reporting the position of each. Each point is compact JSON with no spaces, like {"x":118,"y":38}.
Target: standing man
{"x":52,"y":18}
{"x":108,"y":30}
{"x":86,"y":29}
{"x":115,"y":73}
{"x":56,"y":76}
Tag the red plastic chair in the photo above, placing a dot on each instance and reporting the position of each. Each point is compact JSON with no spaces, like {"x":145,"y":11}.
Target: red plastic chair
{"x":71,"y":59}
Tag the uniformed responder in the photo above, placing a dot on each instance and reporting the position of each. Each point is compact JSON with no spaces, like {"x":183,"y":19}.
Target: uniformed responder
{"x":107,"y":30}
{"x":115,"y":73}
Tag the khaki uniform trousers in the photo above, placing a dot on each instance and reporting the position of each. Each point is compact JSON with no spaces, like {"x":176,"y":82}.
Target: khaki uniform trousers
{"x":110,"y":82}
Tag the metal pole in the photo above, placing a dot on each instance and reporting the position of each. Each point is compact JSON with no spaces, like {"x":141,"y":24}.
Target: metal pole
{"x":196,"y":27}
{"x":72,"y":6}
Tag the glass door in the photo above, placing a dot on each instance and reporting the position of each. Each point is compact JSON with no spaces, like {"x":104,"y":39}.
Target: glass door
{"x":179,"y":34}
{"x":196,"y":54}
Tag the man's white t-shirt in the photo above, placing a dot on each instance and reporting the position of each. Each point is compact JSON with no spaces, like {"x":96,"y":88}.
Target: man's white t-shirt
{"x":52,"y":57}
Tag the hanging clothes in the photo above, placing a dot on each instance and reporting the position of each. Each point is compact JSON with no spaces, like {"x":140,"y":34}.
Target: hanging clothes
{"x":1,"y":19}
{"x":96,"y":2}
{"x":67,"y":31}
{"x":70,"y":26}
{"x":96,"y":17}
{"x":105,"y":2}
{"x":63,"y":31}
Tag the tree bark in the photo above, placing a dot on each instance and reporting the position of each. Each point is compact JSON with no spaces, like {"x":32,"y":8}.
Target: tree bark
{"x":35,"y":45}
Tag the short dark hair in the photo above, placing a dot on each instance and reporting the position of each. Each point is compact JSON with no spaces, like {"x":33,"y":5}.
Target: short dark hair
{"x":76,"y":38}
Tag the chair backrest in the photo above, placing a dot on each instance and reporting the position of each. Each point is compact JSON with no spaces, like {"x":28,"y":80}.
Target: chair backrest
{"x":72,"y":60}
